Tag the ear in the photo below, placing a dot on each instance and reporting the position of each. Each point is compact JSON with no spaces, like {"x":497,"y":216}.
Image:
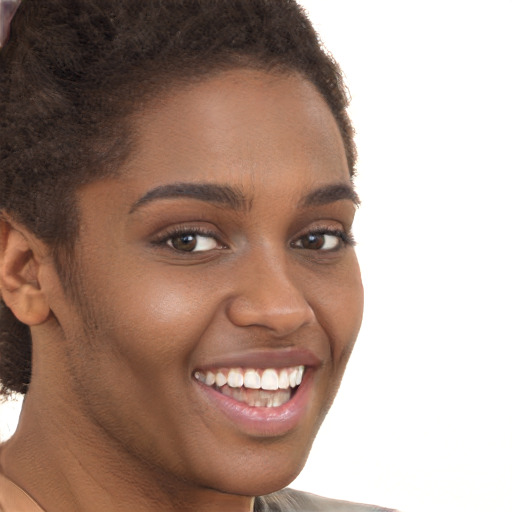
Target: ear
{"x":20,"y":256}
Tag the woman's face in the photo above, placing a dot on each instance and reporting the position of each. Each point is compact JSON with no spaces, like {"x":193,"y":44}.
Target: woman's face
{"x":221,"y":252}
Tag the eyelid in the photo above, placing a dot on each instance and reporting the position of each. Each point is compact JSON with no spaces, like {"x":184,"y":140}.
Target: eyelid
{"x":346,"y":237}
{"x":162,"y":239}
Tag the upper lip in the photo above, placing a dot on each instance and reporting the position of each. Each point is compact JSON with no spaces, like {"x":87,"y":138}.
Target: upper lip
{"x":269,"y":358}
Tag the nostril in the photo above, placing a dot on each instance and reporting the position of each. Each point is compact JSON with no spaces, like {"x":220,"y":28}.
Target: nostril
{"x":281,"y":315}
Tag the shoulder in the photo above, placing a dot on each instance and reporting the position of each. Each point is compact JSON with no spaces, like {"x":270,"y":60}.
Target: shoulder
{"x":289,"y":500}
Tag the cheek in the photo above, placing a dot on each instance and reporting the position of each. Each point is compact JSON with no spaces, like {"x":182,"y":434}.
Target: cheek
{"x":338,"y":304}
{"x":159,"y":318}
{"x":141,"y":331}
{"x":143,"y":320}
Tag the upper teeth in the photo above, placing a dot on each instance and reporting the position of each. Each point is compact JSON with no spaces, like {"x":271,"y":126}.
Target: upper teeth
{"x":269,"y":379}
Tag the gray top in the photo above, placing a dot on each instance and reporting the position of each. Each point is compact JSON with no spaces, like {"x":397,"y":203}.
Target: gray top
{"x":289,"y":500}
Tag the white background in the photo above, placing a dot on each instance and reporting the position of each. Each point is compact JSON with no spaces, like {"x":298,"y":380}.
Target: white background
{"x":423,"y":421}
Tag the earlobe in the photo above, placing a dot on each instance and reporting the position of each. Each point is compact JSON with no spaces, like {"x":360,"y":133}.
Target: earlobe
{"x":19,"y":269}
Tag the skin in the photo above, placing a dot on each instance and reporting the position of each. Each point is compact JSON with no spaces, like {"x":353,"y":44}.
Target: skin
{"x":114,"y":419}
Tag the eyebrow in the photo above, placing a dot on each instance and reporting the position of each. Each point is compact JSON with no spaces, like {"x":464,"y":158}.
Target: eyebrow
{"x":235,"y":199}
{"x":330,"y":194}
{"x":220,"y":194}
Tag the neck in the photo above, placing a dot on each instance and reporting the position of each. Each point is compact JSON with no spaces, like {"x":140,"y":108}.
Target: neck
{"x":68,"y":465}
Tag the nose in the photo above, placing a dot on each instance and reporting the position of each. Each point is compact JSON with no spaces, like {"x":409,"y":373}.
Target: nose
{"x":267,"y":296}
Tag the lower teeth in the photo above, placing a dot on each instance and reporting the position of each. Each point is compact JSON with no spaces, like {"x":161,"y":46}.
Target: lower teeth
{"x":257,"y":397}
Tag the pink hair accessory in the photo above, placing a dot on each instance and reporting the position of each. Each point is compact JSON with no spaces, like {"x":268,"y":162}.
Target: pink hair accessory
{"x":7,"y":10}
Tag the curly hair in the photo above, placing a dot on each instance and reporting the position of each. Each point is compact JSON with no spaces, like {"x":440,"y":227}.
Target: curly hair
{"x":72,"y":73}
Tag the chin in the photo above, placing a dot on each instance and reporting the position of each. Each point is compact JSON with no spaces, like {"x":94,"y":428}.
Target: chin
{"x":260,"y":484}
{"x":270,"y":471}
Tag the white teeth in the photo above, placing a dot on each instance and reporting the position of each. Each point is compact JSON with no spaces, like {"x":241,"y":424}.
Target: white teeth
{"x":235,"y":378}
{"x":269,"y":380}
{"x":252,"y":379}
{"x":266,"y":399}
{"x":257,"y":388}
{"x":284,"y":381}
{"x":275,"y":399}
{"x":220,"y":379}
{"x":200,"y":377}
{"x":293,"y":378}
{"x":280,"y":398}
{"x":300,"y":374}
{"x":210,"y":379}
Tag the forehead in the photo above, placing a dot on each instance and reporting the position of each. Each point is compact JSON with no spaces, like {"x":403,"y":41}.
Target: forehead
{"x":240,"y":127}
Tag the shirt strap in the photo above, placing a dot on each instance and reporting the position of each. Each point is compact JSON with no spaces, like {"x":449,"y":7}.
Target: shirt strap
{"x":14,"y":499}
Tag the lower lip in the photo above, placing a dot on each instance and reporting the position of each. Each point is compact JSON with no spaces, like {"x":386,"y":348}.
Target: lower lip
{"x":264,"y":421}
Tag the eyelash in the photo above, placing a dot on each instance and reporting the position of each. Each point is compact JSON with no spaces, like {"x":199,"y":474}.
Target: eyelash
{"x":166,"y":237}
{"x":346,"y":238}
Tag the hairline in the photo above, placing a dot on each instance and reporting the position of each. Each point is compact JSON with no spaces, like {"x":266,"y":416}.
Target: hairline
{"x":64,"y":255}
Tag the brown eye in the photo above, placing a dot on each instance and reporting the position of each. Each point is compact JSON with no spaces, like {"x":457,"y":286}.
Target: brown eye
{"x":313,"y":241}
{"x":192,"y":242}
{"x":186,"y":242}
{"x":320,"y":241}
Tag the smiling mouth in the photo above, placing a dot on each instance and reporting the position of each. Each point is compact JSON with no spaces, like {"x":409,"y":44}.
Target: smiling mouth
{"x":269,"y":387}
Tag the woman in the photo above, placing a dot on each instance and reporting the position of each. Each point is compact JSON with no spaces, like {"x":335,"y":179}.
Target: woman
{"x":180,"y":289}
